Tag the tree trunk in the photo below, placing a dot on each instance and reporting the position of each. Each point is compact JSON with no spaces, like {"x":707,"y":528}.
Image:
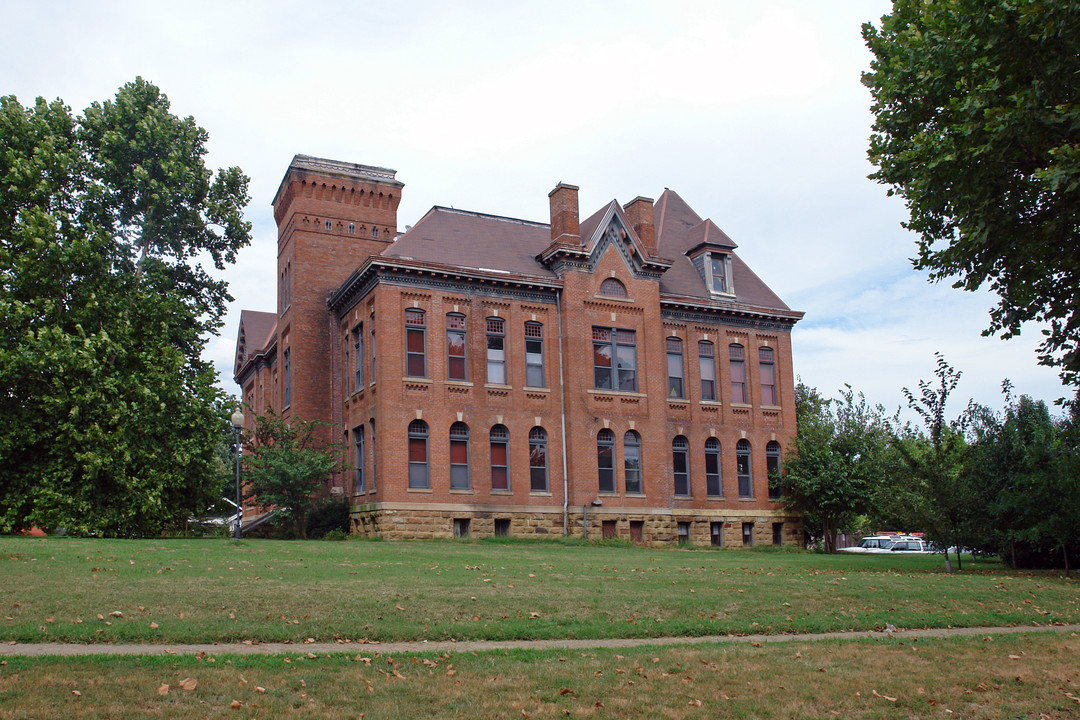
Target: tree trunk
{"x":1065,"y":552}
{"x":959,"y":560}
{"x":948,"y":563}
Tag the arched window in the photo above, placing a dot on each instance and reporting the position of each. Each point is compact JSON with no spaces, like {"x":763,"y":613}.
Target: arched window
{"x":680,"y":458}
{"x":500,"y":464}
{"x":772,"y":463}
{"x":613,"y":288}
{"x":538,"y":467}
{"x":707,"y":369}
{"x":632,"y":461}
{"x":419,"y":470}
{"x":496,"y":351}
{"x":374,"y":231}
{"x":737,"y":358}
{"x":456,"y":359}
{"x":674,"y":368}
{"x":534,"y":354}
{"x":713,"y":488}
{"x":605,"y":460}
{"x":767,"y":371}
{"x":459,"y":457}
{"x":415,"y":343}
{"x":742,"y":463}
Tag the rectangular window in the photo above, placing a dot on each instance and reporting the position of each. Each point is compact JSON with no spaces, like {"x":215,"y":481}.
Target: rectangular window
{"x":742,"y":469}
{"x":716,"y":535}
{"x":456,"y":360}
{"x":605,"y":460}
{"x":767,"y":369}
{"x":712,"y":468}
{"x":461,"y":527}
{"x":534,"y":354}
{"x":286,"y":379}
{"x":675,"y":368}
{"x":502,"y":527}
{"x":614,"y":359}
{"x":459,"y":457}
{"x":738,"y":373}
{"x":358,"y":357}
{"x":632,"y":462}
{"x":538,"y":479}
{"x":419,"y":475}
{"x":358,"y":440}
{"x":500,"y":465}
{"x":374,"y":464}
{"x":496,"y":351}
{"x":778,"y":534}
{"x":707,"y":370}
{"x":719,"y":266}
{"x":372,"y":326}
{"x":683,"y":529}
{"x":415,"y":344}
{"x":680,"y":451}
{"x":748,"y":533}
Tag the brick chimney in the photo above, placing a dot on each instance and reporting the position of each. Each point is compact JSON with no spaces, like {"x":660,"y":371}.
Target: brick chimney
{"x":565,"y":224}
{"x":639,"y":212}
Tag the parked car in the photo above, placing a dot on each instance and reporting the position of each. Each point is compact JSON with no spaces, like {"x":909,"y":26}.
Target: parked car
{"x":910,"y":545}
{"x":872,"y":544}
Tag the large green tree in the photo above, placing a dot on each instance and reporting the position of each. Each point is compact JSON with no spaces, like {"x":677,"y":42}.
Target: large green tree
{"x":108,"y":415}
{"x":977,"y":126}
{"x":837,"y":461}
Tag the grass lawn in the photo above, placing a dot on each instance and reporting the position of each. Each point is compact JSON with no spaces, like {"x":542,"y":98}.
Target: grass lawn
{"x":1032,"y":676}
{"x":174,"y":591}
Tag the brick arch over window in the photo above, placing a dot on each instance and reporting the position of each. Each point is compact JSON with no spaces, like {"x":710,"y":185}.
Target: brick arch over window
{"x":613,"y":287}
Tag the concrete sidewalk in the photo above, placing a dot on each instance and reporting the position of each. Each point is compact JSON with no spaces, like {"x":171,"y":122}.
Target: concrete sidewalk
{"x":256,"y":648}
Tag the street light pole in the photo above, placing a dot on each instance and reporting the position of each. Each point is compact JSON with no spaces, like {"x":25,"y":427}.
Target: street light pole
{"x":237,"y":423}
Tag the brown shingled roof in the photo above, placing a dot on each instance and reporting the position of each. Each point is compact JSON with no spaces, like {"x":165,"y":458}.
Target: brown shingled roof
{"x":257,"y":330}
{"x":475,"y":240}
{"x":678,"y":230}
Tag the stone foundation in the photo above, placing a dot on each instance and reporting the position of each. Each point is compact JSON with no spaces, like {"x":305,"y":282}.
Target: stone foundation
{"x":657,"y":528}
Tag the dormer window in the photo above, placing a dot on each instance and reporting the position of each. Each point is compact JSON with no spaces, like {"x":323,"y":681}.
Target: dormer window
{"x":720,"y":273}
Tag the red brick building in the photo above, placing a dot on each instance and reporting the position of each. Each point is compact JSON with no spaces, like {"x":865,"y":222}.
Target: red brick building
{"x":626,"y":374}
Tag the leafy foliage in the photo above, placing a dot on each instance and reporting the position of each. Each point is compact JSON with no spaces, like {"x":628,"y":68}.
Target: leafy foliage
{"x":286,"y":465}
{"x":837,"y":462}
{"x":978,"y":128}
{"x":110,"y":416}
{"x":1023,"y":466}
{"x":932,"y":489}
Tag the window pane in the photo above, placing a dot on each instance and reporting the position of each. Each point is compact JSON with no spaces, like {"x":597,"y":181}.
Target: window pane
{"x":417,"y":450}
{"x":459,"y":477}
{"x":414,"y":340}
{"x":415,"y":367}
{"x":499,"y":478}
{"x":601,"y":355}
{"x":498,"y":453}
{"x":534,"y":376}
{"x":496,"y":372}
{"x":456,"y":368}
{"x":459,"y":452}
{"x":455,"y":344}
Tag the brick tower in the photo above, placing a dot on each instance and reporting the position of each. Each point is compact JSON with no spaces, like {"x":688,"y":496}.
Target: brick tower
{"x":331,"y":217}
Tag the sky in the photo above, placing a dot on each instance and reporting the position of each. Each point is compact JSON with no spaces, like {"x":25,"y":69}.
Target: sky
{"x":753,"y":112}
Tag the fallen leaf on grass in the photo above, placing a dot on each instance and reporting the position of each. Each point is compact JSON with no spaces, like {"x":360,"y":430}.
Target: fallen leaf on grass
{"x":534,"y":615}
{"x":565,"y":691}
{"x":235,"y":705}
{"x":695,"y":703}
{"x":884,"y":697}
{"x":1014,"y":657}
{"x":76,"y":693}
{"x":260,"y":689}
{"x":1072,"y":697}
{"x":154,"y":626}
{"x":451,"y":672}
{"x":189,"y":683}
{"x":116,"y":613}
{"x":163,"y":689}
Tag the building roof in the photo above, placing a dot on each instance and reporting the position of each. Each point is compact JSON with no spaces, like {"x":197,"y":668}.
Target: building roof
{"x":473,"y":240}
{"x":258,"y":330}
{"x":678,"y":231}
